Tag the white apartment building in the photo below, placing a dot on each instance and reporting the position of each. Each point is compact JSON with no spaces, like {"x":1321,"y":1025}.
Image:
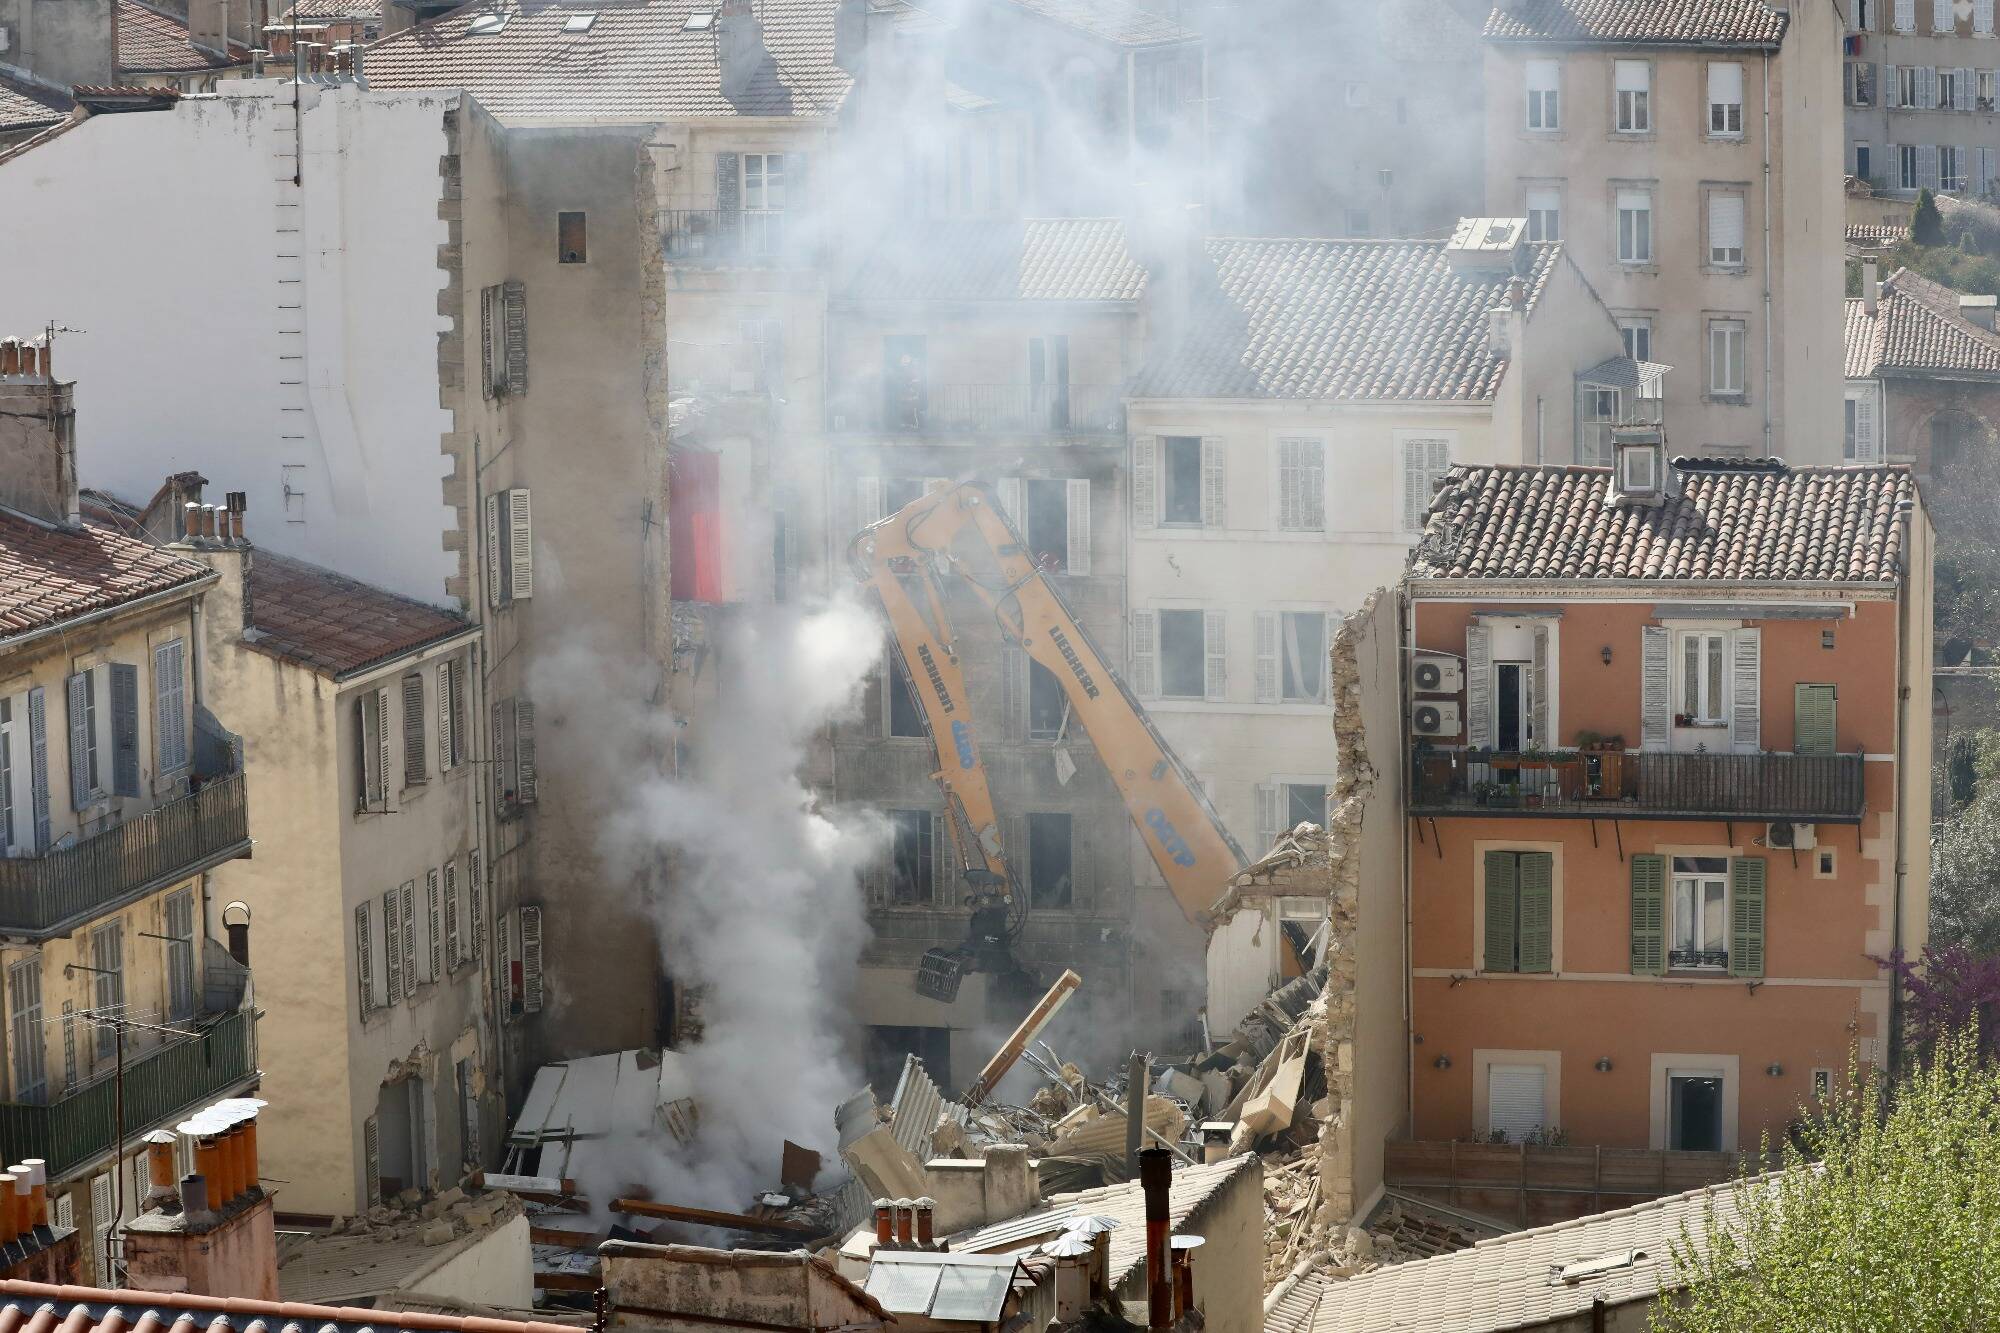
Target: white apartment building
{"x":1285,"y":448}
{"x":1919,"y":82}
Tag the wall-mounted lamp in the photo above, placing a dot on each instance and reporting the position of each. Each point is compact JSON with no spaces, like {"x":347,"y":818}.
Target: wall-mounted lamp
{"x":1605,"y":653}
{"x":1442,"y":1062}
{"x":1774,"y":1069}
{"x":1603,"y":1065}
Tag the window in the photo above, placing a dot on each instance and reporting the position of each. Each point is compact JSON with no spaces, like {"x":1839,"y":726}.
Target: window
{"x":107,"y":960}
{"x":1700,"y":914}
{"x":1863,"y":167}
{"x":762,"y":216}
{"x":1941,"y":16}
{"x":570,"y":246}
{"x":451,"y":714}
{"x":1544,"y":95}
{"x":1301,"y":484}
{"x":12,"y":831}
{"x":1183,"y":651}
{"x":516,"y":776}
{"x":905,"y":391}
{"x":1727,"y":348}
{"x":416,"y":765}
{"x":1051,"y":861}
{"x":1725,"y":230}
{"x":1544,"y":208}
{"x":1633,"y":84}
{"x":911,"y":877}
{"x":1864,"y":10}
{"x":1861,"y":444}
{"x":1951,"y":175}
{"x":1305,"y":803}
{"x":906,"y":719}
{"x":1986,"y":81}
{"x":371,"y":738}
{"x":179,"y":944}
{"x":1906,"y":166}
{"x":1704,"y":690}
{"x":1909,"y":85}
{"x":1048,"y":381}
{"x":1860,"y":83}
{"x":1518,"y":912}
{"x":1635,"y":227}
{"x":1949,"y":87}
{"x":510,"y":547}
{"x":30,"y":1044}
{"x":1049,"y":524}
{"x":1814,"y":718}
{"x":1425,"y":461}
{"x":1181,"y":471}
{"x":170,"y":737}
{"x":1725,"y":100}
{"x":1516,"y":1101}
{"x":1302,"y":657}
{"x":1982,"y":17}
{"x":1637,"y":331}
{"x":1694,"y":1110}
{"x":1048,"y":706}
{"x":694,"y":525}
{"x":1906,"y":15}
{"x":1357,"y":221}
{"x":85,"y":779}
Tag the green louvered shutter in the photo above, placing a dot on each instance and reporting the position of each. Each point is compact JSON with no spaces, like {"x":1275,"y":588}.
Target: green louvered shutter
{"x":1649,"y":915}
{"x":1502,"y":899}
{"x":1535,"y":932}
{"x":1812,"y":719}
{"x":1746,"y":916}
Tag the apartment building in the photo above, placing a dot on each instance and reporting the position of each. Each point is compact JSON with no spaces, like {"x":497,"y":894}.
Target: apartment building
{"x":1284,"y":449}
{"x":121,"y":795}
{"x":1668,"y":793}
{"x":1685,"y":153}
{"x":1919,"y":84}
{"x":1923,"y":379}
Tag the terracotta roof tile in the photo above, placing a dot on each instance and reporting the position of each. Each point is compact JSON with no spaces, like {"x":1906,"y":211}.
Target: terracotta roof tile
{"x":42,"y":1308}
{"x":1039,"y":259}
{"x":1356,"y":320}
{"x":150,"y":42}
{"x":1731,"y":520}
{"x":1117,"y":21}
{"x":637,"y":61}
{"x":334,"y":624}
{"x":1916,"y":326}
{"x":320,"y":10}
{"x":1876,"y":233}
{"x":1647,"y":22}
{"x":48,"y":575}
{"x":23,"y":106}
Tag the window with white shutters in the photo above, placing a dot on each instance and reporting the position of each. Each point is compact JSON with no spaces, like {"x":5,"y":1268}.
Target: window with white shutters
{"x":1544,"y":209}
{"x":1725,"y":229}
{"x":1905,"y":156}
{"x":29,"y":1042}
{"x":1863,"y":444}
{"x":476,"y":905}
{"x":1425,"y":462}
{"x":364,"y":959}
{"x":1544,"y":82}
{"x":1633,"y":83}
{"x":107,"y":960}
{"x":1725,"y":99}
{"x":1982,"y":17}
{"x":1301,"y":484}
{"x":454,"y":949}
{"x":451,"y":713}
{"x":393,"y":927}
{"x":510,"y":547}
{"x":531,"y":960}
{"x":416,"y":769}
{"x":1637,"y":332}
{"x":1951,"y":168}
{"x":434,"y":912}
{"x":180,"y":947}
{"x":1635,"y":227}
{"x":1906,"y":15}
{"x":411,"y":926}
{"x":1942,"y":19}
{"x":1515,"y":1101}
{"x":170,"y":731}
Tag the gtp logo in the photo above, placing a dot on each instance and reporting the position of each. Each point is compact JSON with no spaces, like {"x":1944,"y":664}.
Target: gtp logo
{"x":961,"y":737}
{"x":1176,"y":848}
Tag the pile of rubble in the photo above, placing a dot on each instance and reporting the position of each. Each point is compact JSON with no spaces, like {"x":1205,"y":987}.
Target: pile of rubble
{"x":437,"y":1220}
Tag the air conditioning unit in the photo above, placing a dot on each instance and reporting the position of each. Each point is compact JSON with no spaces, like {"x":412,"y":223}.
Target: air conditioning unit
{"x":1430,"y":718}
{"x":1436,"y":673}
{"x":1798,"y":837}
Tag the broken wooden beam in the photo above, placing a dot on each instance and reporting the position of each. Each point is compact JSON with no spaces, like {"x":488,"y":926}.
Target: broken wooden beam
{"x":707,"y":1217}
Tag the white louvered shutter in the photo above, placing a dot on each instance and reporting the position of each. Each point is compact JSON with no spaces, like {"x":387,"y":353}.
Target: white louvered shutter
{"x":447,"y":724}
{"x":1215,"y":656}
{"x":371,"y":1159}
{"x":1079,"y":525}
{"x":364,"y":959}
{"x":38,"y":765}
{"x":1538,"y":705}
{"x":409,"y":893}
{"x":1927,"y":166}
{"x":434,"y":915}
{"x":101,"y":1222}
{"x":1267,"y":657}
{"x":1478,"y":686}
{"x":1941,"y":15}
{"x":1145,"y":482}
{"x":496,"y":585}
{"x":1892,"y":93}
{"x":1906,"y":15}
{"x":1007,"y":490}
{"x":454,"y":948}
{"x":1144,"y":647}
{"x":415,"y":769}
{"x":476,"y":904}
{"x":1214,"y":483}
{"x":1270,"y":816}
{"x":527,"y":781}
{"x":503,"y":959}
{"x":1424,"y":462}
{"x":392,"y":945}
{"x":520,"y":546}
{"x":382,"y":746}
{"x":1514,"y":1100}
{"x":1982,"y":17}
{"x":1867,"y":447}
{"x":80,"y":741}
{"x":170,"y":740}
{"x":1961,"y":91}
{"x":1927,"y":86}
{"x":867,"y":501}
{"x":1655,"y":688}
{"x":531,"y":960}
{"x":1746,"y":676}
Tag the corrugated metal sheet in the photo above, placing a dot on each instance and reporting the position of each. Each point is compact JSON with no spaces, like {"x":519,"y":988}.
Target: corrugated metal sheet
{"x":914,"y":1113}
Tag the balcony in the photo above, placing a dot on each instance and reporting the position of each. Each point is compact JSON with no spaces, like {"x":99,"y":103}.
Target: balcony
{"x":50,"y":895}
{"x":161,"y":1085}
{"x":1614,"y":784}
{"x":988,"y":409}
{"x":741,"y":237}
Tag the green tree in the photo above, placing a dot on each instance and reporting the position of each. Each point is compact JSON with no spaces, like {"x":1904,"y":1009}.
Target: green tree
{"x":1965,"y":875}
{"x":1878,"y":1222}
{"x":1926,"y":223}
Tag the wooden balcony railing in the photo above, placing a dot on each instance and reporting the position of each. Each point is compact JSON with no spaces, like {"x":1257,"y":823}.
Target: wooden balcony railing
{"x":1615,"y":784}
{"x":39,"y":894}
{"x":1534,"y":1184}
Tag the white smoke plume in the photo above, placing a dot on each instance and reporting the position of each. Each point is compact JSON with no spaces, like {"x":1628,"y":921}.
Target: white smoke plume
{"x":753,"y":885}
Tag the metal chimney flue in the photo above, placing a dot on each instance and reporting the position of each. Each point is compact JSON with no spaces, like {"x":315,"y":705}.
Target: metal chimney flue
{"x":1156,"y":1174}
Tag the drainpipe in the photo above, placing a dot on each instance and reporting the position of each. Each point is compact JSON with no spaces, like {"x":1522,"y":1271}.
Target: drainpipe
{"x":485,"y":829}
{"x":1767,"y":254}
{"x":1904,"y":511}
{"x":1408,"y":625}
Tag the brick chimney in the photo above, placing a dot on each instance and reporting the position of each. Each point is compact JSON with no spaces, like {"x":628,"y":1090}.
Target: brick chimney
{"x":739,"y":48}
{"x":208,"y":24}
{"x":37,"y":436}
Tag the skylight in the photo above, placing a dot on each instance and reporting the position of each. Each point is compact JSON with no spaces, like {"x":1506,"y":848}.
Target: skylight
{"x":485,"y":24}
{"x":699,"y":22}
{"x":579,"y":22}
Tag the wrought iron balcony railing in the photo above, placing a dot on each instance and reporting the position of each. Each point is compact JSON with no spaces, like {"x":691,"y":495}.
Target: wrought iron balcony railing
{"x":1615,"y":784}
{"x":919,"y":408}
{"x":731,"y":236}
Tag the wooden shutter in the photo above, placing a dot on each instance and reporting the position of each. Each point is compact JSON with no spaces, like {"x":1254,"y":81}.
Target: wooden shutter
{"x":503,"y":957}
{"x":1539,"y":703}
{"x":1813,"y":719}
{"x":488,"y":296}
{"x":382,"y":746}
{"x":371,"y":1159}
{"x":502,"y":740}
{"x":1267,"y":657}
{"x":1215,"y":656}
{"x":515,"y":297}
{"x":496,"y":581}
{"x":415,"y":770}
{"x":392,"y":944}
{"x":1502,"y":907}
{"x":170,"y":748}
{"x":1145,"y":482}
{"x":1416,"y":485}
{"x":1656,"y":706}
{"x":1145,"y":653}
{"x":1270,"y":816}
{"x":1214,"y":483}
{"x":101,"y":1221}
{"x":364,"y":960}
{"x":1927,"y":155}
{"x":1536,"y":929}
{"x":1867,"y":449}
{"x":531,"y":960}
{"x":1745,"y":682}
{"x":1746,"y":916}
{"x":1649,"y":915}
{"x":447,"y":716}
{"x":1079,"y":524}
{"x":476,"y":893}
{"x":124,"y":729}
{"x":520,"y":546}
{"x":454,"y":949}
{"x":1478,"y":686}
{"x":1892,"y":95}
{"x":867,"y":501}
{"x":409,"y":892}
{"x":79,"y":741}
{"x":434,"y":917}
{"x":38,"y":766}
{"x":526,"y":780}
{"x":1961,"y":93}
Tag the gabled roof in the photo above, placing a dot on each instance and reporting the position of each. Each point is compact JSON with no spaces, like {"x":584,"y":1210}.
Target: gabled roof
{"x":151,"y":42}
{"x":49,"y":575}
{"x":1638,"y":22}
{"x":637,"y":61}
{"x":40,"y":1307}
{"x":1729,"y":520}
{"x":1037,"y":259}
{"x":1916,"y":327}
{"x":1355,"y":320}
{"x":1506,"y":1283}
{"x":1116,"y":21}
{"x":23,"y":106}
{"x":335,"y":625}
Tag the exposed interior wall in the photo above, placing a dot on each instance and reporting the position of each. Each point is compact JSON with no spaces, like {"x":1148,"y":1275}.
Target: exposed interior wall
{"x":495,"y":1270}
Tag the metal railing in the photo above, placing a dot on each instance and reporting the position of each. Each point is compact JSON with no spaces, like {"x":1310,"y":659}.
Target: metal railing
{"x":919,"y":408}
{"x":730,"y":236}
{"x":160,"y":1085}
{"x":38,"y":893}
{"x":1802,"y":788}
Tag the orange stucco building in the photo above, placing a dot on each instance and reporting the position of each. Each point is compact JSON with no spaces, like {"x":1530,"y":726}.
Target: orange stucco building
{"x":1658,"y":824}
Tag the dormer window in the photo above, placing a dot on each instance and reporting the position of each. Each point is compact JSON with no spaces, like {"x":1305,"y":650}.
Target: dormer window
{"x":1638,"y":469}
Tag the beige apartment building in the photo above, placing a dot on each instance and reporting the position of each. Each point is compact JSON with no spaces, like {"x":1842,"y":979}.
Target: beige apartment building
{"x":1919,"y":83}
{"x":1687,"y":155}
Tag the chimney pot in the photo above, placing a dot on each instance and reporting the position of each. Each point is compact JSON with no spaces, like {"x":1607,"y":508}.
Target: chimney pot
{"x":926,"y":1233}
{"x":885,"y":1222}
{"x":194,"y":1196}
{"x":1871,"y":285}
{"x":1156,"y":1175}
{"x":23,"y":1202}
{"x":10,"y":357}
{"x":39,"y":1177}
{"x":9,"y":1229}
{"x":904,"y":1209}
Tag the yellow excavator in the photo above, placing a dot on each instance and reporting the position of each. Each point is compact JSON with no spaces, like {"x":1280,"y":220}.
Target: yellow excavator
{"x":907,"y":559}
